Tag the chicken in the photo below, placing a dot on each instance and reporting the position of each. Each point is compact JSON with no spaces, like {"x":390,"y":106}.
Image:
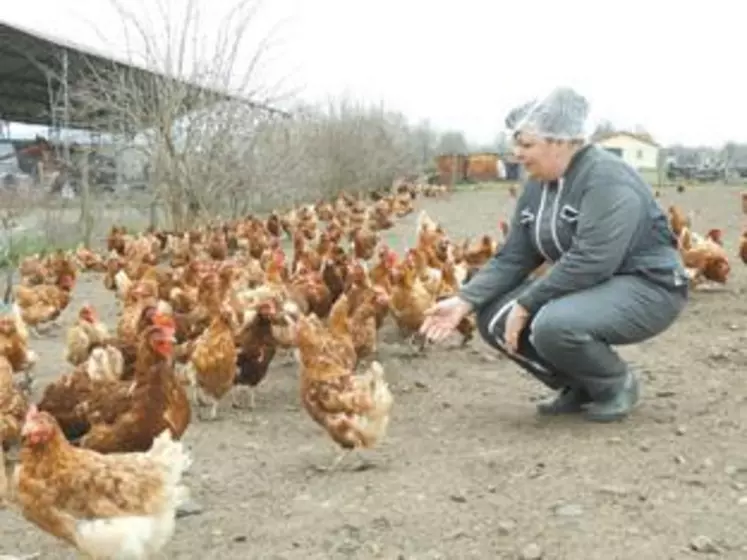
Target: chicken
{"x":81,"y":336}
{"x":478,"y":254}
{"x":678,"y":220}
{"x":257,"y":346}
{"x":363,"y":321}
{"x":14,"y":345}
{"x":213,"y":363}
{"x":104,"y":506}
{"x":743,"y":247}
{"x":13,"y":406}
{"x":43,"y":303}
{"x":364,"y":242}
{"x":353,"y":409}
{"x":147,"y":415}
{"x":339,"y":344}
{"x":88,"y":260}
{"x":62,"y":399}
{"x":105,"y":363}
{"x":409,"y":300}
{"x":310,"y":287}
{"x":704,"y":257}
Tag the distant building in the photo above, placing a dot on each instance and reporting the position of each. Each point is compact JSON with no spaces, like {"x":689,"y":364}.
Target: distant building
{"x":477,"y":167}
{"x":482,"y":167}
{"x":638,"y":150}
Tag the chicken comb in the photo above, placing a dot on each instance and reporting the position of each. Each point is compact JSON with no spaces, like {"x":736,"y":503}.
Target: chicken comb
{"x":164,"y":321}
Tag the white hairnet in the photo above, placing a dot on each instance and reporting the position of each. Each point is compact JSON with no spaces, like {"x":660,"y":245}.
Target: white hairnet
{"x":561,"y":115}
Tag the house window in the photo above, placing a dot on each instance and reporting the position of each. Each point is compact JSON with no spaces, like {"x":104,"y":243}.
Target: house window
{"x":639,"y":154}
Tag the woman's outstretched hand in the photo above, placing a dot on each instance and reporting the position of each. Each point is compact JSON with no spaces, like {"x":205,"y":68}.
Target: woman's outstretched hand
{"x":442,"y":319}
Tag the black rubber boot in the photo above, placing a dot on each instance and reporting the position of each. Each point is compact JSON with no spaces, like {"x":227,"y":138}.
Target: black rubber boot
{"x":617,"y":406}
{"x":568,"y":401}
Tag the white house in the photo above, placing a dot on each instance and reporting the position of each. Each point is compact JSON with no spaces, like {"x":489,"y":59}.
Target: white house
{"x":641,"y":152}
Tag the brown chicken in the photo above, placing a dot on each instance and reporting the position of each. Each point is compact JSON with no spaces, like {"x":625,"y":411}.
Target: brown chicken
{"x":62,"y":399}
{"x":83,"y":335}
{"x":257,"y":346}
{"x":704,"y":257}
{"x":104,"y":506}
{"x":363,"y":321}
{"x":353,"y":409}
{"x":13,"y":406}
{"x":678,"y":220}
{"x":146,"y":416}
{"x":43,"y":303}
{"x":743,"y":247}
{"x":88,"y":260}
{"x":102,"y":398}
{"x":364,"y":242}
{"x":14,"y":345}
{"x":340,"y":345}
{"x":409,"y":300}
{"x":213,"y":361}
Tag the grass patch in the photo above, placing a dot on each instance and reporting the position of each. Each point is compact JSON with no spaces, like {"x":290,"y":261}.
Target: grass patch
{"x":25,"y":244}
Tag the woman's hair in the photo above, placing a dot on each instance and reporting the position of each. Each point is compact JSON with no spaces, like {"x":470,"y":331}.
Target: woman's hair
{"x":561,"y":115}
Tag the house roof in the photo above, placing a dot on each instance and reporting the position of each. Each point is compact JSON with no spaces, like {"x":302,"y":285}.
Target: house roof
{"x":28,"y":58}
{"x":645,"y":138}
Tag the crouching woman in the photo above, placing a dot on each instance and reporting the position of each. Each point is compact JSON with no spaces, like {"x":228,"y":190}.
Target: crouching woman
{"x":616,"y":276}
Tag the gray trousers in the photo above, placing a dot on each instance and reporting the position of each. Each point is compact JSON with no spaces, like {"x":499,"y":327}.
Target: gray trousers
{"x":568,"y":341}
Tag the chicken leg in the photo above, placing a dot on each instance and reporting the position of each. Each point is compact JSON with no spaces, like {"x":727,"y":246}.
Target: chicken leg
{"x":213,"y":414}
{"x":238,"y":397}
{"x":4,"y":487}
{"x":339,"y":458}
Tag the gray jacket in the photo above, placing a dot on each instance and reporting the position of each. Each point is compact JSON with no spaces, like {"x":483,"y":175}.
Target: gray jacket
{"x":601,"y":219}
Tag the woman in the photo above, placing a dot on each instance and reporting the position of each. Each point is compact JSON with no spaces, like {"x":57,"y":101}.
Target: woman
{"x":616,"y":276}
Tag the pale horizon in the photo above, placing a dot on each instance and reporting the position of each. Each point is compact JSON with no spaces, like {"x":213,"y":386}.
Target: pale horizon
{"x":674,"y":73}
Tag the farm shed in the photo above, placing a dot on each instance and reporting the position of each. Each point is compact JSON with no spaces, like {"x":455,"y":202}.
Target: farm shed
{"x":639,"y":151}
{"x":35,"y":64}
{"x":452,"y":168}
{"x":482,"y":166}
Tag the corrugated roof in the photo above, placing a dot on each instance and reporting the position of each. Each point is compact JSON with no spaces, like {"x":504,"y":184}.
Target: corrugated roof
{"x":27,"y":57}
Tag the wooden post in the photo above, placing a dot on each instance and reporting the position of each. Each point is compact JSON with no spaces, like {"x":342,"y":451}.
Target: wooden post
{"x":86,"y":213}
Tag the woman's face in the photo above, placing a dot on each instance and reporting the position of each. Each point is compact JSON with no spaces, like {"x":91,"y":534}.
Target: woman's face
{"x":543,"y":159}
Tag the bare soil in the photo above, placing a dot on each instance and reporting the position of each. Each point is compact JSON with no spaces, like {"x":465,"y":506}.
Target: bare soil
{"x":468,"y":470}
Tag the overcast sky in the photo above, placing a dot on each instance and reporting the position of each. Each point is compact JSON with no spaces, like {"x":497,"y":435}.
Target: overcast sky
{"x":674,"y":69}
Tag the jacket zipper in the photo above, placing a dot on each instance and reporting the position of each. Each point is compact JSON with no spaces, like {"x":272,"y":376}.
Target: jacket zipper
{"x":538,"y":223}
{"x":554,"y":217}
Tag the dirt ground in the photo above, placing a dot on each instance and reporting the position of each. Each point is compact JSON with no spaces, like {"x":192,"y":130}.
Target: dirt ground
{"x":468,"y":470}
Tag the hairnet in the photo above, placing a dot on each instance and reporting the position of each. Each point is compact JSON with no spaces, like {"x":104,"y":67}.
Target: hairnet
{"x":561,"y":115}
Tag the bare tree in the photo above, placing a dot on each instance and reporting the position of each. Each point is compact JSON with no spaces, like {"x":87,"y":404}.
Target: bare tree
{"x":343,"y":145}
{"x":604,"y":128}
{"x":425,"y":142}
{"x":196,"y":119}
{"x":452,"y":142}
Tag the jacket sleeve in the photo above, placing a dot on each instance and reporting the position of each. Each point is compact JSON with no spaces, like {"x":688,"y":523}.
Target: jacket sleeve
{"x":609,"y":217}
{"x":511,"y":264}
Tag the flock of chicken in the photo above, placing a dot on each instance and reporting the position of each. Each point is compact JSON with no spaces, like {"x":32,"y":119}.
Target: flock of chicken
{"x":202,"y":315}
{"x":704,"y":256}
